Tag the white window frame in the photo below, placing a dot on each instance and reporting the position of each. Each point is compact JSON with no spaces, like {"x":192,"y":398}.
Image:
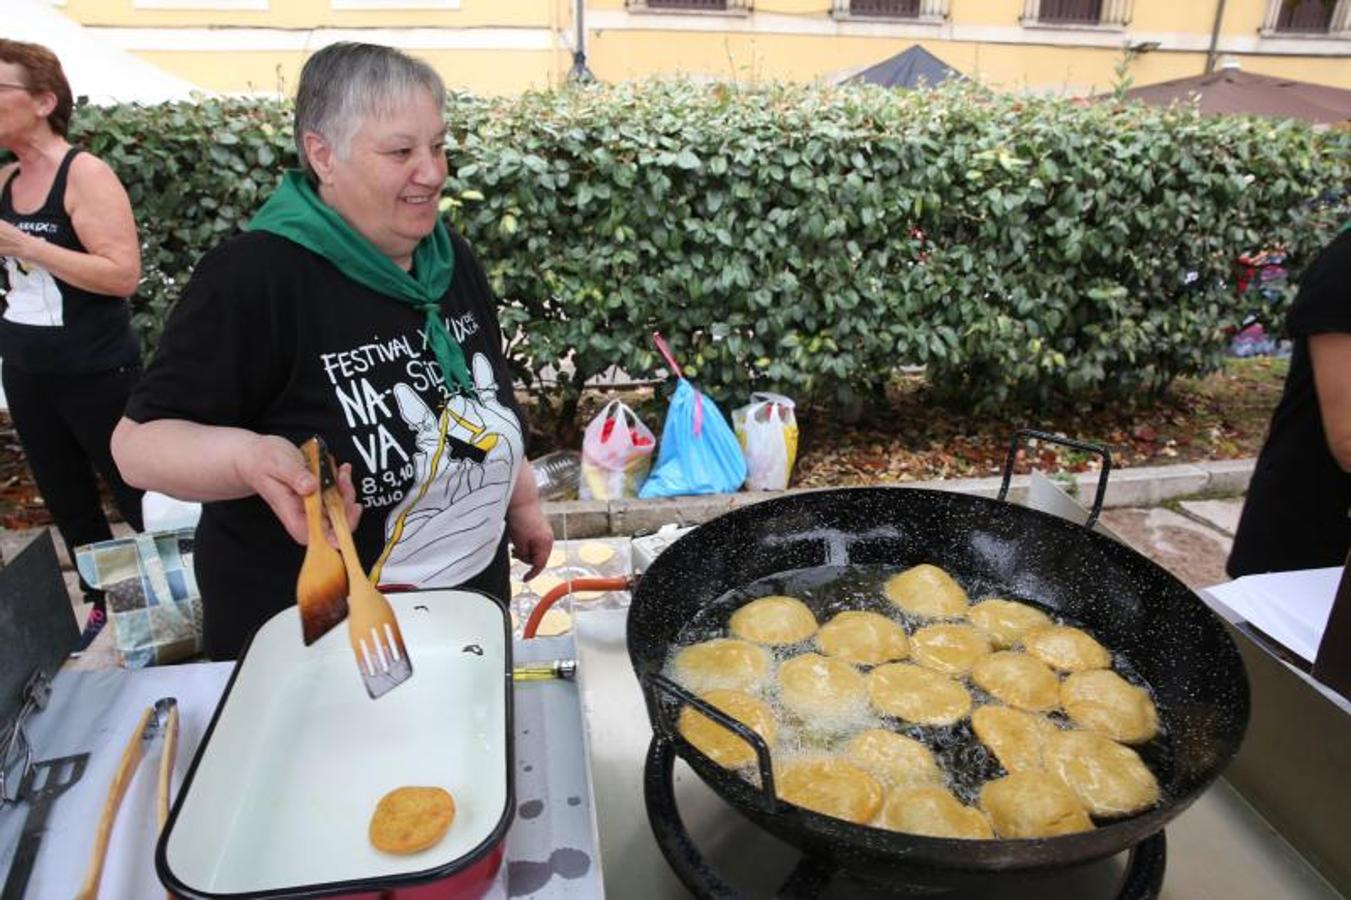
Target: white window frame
{"x":931,"y":12}
{"x":1339,"y":27}
{"x":1116,"y":15}
{"x":734,"y":8}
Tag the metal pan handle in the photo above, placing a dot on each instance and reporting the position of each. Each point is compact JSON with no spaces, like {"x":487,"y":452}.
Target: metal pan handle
{"x":1022,"y":435}
{"x":654,"y":684}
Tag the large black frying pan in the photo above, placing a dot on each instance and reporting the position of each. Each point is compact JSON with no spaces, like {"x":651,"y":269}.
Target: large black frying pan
{"x":1133,"y":606}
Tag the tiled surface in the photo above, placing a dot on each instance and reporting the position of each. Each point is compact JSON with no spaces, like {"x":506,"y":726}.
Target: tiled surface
{"x":1193,"y":552}
{"x":1220,"y":514}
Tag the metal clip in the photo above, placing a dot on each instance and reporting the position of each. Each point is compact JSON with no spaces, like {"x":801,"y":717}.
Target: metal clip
{"x":36,"y":693}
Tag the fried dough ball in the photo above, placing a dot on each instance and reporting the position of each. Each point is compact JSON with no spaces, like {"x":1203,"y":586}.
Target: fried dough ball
{"x":1016,"y":738}
{"x":1109,"y":779}
{"x":777,"y":621}
{"x":1033,"y":805}
{"x":831,"y":787}
{"x":1066,"y":649}
{"x":865,"y":638}
{"x":720,"y":744}
{"x":933,"y":811}
{"x":898,"y":761}
{"x":926,"y":590}
{"x":1006,"y":621}
{"x":1018,"y":680}
{"x":723,"y":663}
{"x":950,"y":649}
{"x":411,"y":819}
{"x":916,"y":694}
{"x":1101,"y":700}
{"x":818,"y":689}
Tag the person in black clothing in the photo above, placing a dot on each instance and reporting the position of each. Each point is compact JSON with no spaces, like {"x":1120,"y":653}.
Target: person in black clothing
{"x":348,"y":310}
{"x":1296,"y":512}
{"x":71,"y":260}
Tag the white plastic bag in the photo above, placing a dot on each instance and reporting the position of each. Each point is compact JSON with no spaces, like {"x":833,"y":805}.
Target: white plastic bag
{"x":616,"y":453}
{"x":767,"y":430}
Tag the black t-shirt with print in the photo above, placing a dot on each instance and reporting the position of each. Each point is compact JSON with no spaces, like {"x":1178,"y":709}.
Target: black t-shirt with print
{"x":1296,"y":512}
{"x":270,"y":337}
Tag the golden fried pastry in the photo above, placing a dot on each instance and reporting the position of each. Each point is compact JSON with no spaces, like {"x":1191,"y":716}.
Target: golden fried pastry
{"x":917,"y":694}
{"x":410,"y":819}
{"x":927,"y":591}
{"x":865,"y":638}
{"x":819,"y":689}
{"x":543,"y":583}
{"x":829,"y":786}
{"x":720,"y":744}
{"x":1019,"y":680}
{"x":1067,"y":649}
{"x":1032,"y":805}
{"x":723,"y":663}
{"x":594,"y":553}
{"x":1016,"y":738}
{"x":950,"y":649}
{"x":935,"y":812}
{"x":1101,"y":700}
{"x":774,"y":620}
{"x":557,"y":556}
{"x":553,"y":623}
{"x":1006,"y":621}
{"x":899,"y":762}
{"x":1109,"y":779}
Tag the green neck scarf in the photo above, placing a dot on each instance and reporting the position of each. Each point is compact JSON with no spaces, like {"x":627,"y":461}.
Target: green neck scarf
{"x":295,"y":212}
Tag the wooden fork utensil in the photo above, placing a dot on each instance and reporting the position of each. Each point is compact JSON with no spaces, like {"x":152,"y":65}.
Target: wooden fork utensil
{"x":371,"y":626}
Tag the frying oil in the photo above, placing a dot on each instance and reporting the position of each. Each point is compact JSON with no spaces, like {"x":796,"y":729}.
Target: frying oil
{"x":828,"y":590}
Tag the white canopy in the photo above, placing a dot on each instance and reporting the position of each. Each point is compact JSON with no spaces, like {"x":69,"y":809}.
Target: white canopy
{"x":101,"y":72}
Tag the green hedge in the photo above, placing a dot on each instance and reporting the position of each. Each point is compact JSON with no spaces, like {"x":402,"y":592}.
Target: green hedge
{"x":811,"y":239}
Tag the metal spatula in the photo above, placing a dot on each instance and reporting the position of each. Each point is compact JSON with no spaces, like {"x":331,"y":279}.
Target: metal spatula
{"x":371,"y":626}
{"x":42,"y":784}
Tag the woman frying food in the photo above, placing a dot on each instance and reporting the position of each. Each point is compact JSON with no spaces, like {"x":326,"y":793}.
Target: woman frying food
{"x":350,"y":311}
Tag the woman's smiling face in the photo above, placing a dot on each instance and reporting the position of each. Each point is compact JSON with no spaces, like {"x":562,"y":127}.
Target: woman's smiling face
{"x":388,"y":184}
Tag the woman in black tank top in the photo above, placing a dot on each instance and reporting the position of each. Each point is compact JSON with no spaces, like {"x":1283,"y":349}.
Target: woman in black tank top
{"x":71,"y":258}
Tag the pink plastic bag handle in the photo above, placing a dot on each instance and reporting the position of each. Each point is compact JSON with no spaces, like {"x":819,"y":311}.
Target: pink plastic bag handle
{"x":666,"y":354}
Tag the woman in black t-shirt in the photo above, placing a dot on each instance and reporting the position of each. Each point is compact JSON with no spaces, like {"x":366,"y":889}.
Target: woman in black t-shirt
{"x":1296,"y":512}
{"x":71,"y":259}
{"x":348,"y":310}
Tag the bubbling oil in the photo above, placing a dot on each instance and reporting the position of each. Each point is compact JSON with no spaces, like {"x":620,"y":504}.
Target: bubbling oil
{"x":966,"y":763}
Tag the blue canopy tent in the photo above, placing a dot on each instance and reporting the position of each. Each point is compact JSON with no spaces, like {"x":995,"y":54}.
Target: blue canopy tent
{"x":913,"y":68}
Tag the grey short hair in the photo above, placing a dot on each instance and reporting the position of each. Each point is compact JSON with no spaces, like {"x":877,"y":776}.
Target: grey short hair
{"x":344,"y":83}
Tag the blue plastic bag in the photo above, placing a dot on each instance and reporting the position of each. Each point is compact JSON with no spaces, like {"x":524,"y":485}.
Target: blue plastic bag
{"x":698,"y":454}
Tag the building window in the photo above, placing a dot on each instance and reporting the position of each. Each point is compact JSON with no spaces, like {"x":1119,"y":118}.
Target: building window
{"x":687,"y":5}
{"x":922,"y":10}
{"x":1077,"y":13}
{"x":1307,"y":17}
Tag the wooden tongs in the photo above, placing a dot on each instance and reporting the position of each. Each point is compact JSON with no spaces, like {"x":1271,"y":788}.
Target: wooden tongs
{"x":371,"y":627}
{"x":162,"y":718}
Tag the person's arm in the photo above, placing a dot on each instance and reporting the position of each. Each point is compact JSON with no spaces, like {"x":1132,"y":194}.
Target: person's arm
{"x":531,"y":536}
{"x":101,"y":214}
{"x":209,"y":463}
{"x":1331,"y":357}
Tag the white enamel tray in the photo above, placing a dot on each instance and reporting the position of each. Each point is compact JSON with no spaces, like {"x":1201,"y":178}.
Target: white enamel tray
{"x":279,"y":797}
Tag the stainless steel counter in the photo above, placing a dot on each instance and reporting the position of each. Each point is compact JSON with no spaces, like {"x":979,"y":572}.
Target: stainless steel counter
{"x":1219,"y":848}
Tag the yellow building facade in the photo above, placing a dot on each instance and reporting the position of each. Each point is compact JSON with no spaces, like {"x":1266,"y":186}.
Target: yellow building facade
{"x":1071,"y":47}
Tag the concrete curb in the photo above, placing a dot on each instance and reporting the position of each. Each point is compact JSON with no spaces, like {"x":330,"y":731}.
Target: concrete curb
{"x":1149,"y":486}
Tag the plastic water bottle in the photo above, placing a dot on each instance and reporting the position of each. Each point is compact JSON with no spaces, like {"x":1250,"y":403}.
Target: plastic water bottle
{"x":557,"y":474}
